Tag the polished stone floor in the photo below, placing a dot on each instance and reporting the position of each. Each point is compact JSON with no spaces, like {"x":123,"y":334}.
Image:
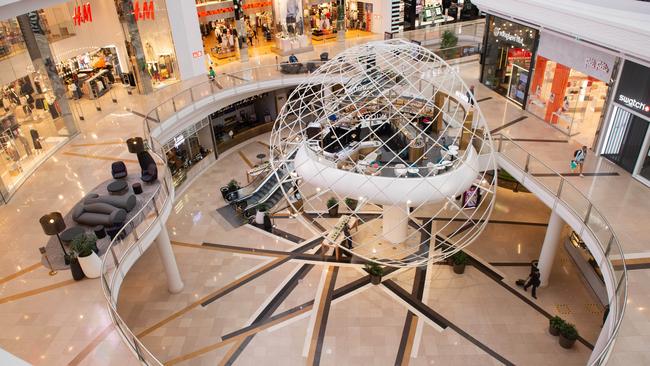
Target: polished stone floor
{"x":40,"y":327}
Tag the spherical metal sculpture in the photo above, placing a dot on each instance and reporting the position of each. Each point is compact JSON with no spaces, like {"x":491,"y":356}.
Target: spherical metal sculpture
{"x":386,"y":133}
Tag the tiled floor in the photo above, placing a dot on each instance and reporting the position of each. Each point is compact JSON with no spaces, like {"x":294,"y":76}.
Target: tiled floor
{"x":39,"y":326}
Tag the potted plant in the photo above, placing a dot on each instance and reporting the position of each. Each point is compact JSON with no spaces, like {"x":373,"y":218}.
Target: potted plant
{"x":459,"y":260}
{"x":333,"y":207}
{"x":555,"y":324}
{"x":224,"y":192}
{"x":259,"y":215}
{"x":375,"y":271}
{"x":351,"y":203}
{"x":449,"y":40}
{"x":233,"y":186}
{"x":75,"y":267}
{"x":90,"y":263}
{"x":568,"y":335}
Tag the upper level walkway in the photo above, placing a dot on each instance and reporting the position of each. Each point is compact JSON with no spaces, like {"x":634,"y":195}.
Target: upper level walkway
{"x":53,"y":320}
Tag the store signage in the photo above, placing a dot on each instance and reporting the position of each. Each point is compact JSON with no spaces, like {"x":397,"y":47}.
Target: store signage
{"x":197,"y":54}
{"x":178,"y":140}
{"x":597,"y":64}
{"x":633,"y":103}
{"x":514,"y":38}
{"x":576,"y":55}
{"x":146,"y":12}
{"x":257,"y":5}
{"x":634,"y":88}
{"x":82,"y":14}
{"x":225,"y":10}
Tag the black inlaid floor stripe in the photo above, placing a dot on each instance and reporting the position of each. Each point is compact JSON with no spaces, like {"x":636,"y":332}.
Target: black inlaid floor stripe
{"x":634,"y":266}
{"x":142,"y":115}
{"x":499,"y":280}
{"x":483,"y":99}
{"x":539,"y":140}
{"x":501,"y":222}
{"x":439,"y":319}
{"x":326,"y":312}
{"x":286,"y":235}
{"x":572,"y":174}
{"x":236,"y":77}
{"x":510,"y":264}
{"x":272,"y":306}
{"x":516,"y":120}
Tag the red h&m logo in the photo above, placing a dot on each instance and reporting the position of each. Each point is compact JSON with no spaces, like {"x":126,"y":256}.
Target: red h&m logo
{"x":147,"y":11}
{"x":82,"y":14}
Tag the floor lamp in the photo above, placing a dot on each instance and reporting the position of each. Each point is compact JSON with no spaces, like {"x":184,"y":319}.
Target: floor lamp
{"x":53,"y":224}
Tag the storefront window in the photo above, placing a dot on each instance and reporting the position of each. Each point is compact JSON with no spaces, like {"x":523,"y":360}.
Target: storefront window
{"x":30,"y":120}
{"x":358,"y":16}
{"x":158,"y":46}
{"x":187,"y":150}
{"x":507,"y":61}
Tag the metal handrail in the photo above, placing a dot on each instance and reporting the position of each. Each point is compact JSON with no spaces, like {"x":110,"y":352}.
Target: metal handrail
{"x":138,"y":347}
{"x":605,"y":248}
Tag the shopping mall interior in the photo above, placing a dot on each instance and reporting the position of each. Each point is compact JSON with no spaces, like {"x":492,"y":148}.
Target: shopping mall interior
{"x":324,"y":182}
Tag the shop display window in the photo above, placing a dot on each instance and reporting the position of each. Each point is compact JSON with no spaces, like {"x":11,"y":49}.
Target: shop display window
{"x":567,"y":99}
{"x":187,"y":150}
{"x":507,"y":61}
{"x":30,"y":118}
{"x":11,"y":39}
{"x":159,"y":48}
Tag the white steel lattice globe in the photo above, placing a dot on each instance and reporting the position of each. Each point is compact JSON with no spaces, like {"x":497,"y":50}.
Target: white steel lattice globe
{"x":386,"y":134}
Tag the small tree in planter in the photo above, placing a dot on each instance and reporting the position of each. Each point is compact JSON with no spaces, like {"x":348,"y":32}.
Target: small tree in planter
{"x":568,"y":335}
{"x":351,"y":203}
{"x":449,"y":40}
{"x":233,"y":186}
{"x":375,"y":271}
{"x":90,"y":263}
{"x":459,"y":260}
{"x":555,"y":324}
{"x":333,"y":207}
{"x":75,"y":267}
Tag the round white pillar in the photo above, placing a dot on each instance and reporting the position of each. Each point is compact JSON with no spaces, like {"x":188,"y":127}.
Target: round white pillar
{"x":549,"y":248}
{"x":174,"y":281}
{"x":395,"y":225}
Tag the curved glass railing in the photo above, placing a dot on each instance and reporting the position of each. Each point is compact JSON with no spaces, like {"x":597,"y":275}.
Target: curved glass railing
{"x":115,"y":264}
{"x":610,"y":249}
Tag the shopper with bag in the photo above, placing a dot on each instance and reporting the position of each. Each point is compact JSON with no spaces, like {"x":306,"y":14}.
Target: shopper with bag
{"x":579,"y":159}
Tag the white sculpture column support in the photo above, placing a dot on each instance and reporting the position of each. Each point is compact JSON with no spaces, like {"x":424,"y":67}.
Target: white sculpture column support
{"x":174,"y":281}
{"x":395,"y":225}
{"x":549,"y":248}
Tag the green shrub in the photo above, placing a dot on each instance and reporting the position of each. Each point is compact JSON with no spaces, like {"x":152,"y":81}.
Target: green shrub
{"x":556,"y":322}
{"x":569,"y":331}
{"x":459,"y":258}
{"x":374,"y":269}
{"x":331,"y":202}
{"x":449,"y":40}
{"x":83,"y":244}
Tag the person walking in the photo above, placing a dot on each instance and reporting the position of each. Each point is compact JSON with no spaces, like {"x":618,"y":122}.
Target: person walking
{"x":211,"y":74}
{"x":534,"y":281}
{"x":579,"y":158}
{"x":470,"y":95}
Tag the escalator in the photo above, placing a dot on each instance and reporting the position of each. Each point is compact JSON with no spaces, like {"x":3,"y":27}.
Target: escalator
{"x":268,"y":192}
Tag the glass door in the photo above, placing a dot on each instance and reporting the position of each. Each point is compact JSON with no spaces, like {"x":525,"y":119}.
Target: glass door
{"x":625,"y":139}
{"x":517,"y":84}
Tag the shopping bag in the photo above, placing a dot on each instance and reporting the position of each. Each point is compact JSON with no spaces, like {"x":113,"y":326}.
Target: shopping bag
{"x":573,"y":165}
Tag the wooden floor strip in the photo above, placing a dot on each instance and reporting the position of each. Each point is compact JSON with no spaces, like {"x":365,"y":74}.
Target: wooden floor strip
{"x":251,"y":331}
{"x":99,"y":157}
{"x":92,"y":345}
{"x":208,"y":298}
{"x":119,"y":142}
{"x":36,"y":291}
{"x":20,"y":273}
{"x":322,"y":314}
{"x":245,"y":159}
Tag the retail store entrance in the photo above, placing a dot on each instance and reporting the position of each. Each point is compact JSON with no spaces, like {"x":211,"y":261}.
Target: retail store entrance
{"x":507,"y":58}
{"x":569,"y":86}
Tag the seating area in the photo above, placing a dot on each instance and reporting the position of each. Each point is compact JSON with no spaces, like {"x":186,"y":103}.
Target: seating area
{"x":106,"y":208}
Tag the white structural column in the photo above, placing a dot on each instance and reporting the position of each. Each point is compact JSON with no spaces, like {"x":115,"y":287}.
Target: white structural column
{"x":184,"y":23}
{"x":549,"y":248}
{"x":395,"y":225}
{"x":174,"y":281}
